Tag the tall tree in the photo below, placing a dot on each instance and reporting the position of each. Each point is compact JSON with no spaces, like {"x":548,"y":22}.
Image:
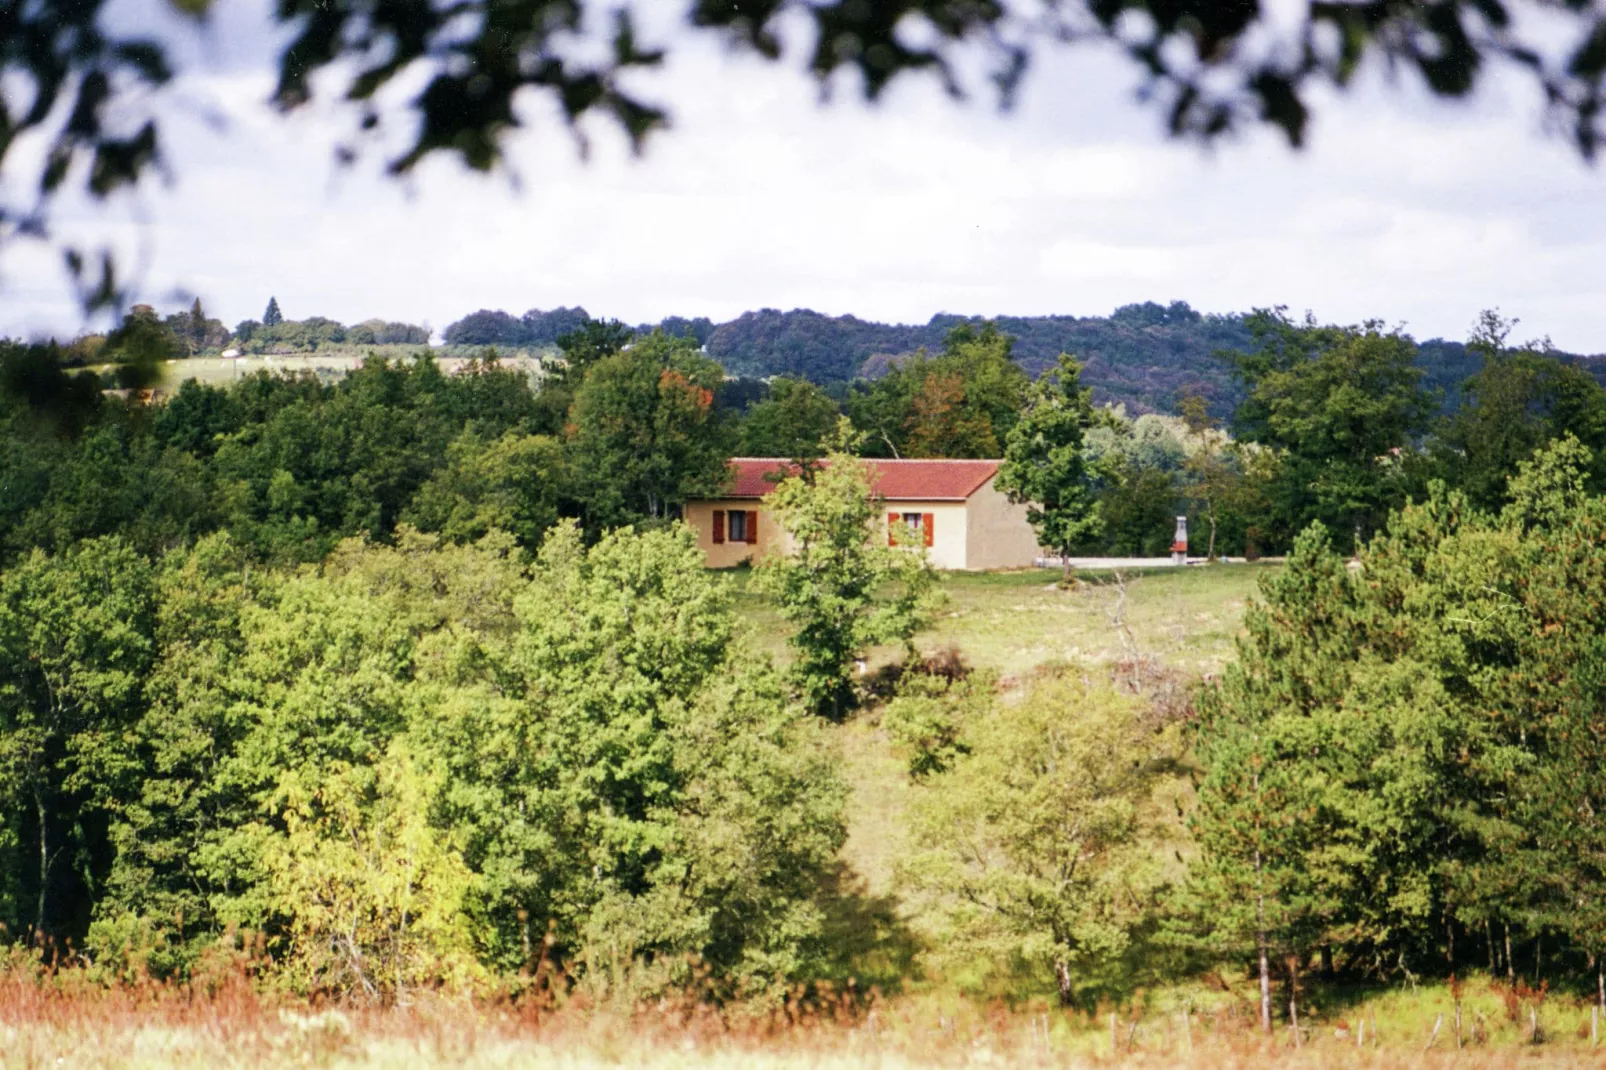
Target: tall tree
{"x":198,"y":325}
{"x":76,"y":645}
{"x":1519,"y":401}
{"x":644,"y":431}
{"x":578,"y":351}
{"x":1340,"y":406}
{"x":625,"y":768}
{"x":272,"y":317}
{"x":960,"y":403}
{"x":1044,"y":465}
{"x":1048,"y":838}
{"x":843,"y":591}
{"x":141,"y":346}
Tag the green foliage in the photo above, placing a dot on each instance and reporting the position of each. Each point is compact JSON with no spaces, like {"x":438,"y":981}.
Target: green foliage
{"x":140,"y":347}
{"x":644,"y":429}
{"x":1408,"y":751}
{"x":961,"y":403}
{"x":374,"y":897}
{"x":928,"y":715}
{"x":75,"y":645}
{"x":1340,"y":406}
{"x":1044,"y":463}
{"x":1520,"y":401}
{"x":796,"y":420}
{"x":840,"y":585}
{"x":667,"y":800}
{"x":513,"y":484}
{"x":1043,"y":839}
{"x":272,"y":317}
{"x":413,"y":764}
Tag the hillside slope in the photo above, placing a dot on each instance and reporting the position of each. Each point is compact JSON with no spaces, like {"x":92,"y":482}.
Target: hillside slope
{"x":1146,"y":356}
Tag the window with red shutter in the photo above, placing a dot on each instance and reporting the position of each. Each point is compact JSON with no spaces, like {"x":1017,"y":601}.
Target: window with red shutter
{"x":893,"y":520}
{"x":752,"y":526}
{"x":719,"y":526}
{"x":928,"y":521}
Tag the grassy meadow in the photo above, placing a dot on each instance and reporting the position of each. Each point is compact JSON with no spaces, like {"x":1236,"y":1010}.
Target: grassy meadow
{"x":1015,"y":621}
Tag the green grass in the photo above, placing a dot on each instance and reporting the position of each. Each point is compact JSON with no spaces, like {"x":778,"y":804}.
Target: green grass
{"x":1014,"y":621}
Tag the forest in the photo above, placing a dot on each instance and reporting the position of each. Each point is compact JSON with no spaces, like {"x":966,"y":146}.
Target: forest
{"x":413,"y":681}
{"x":1145,"y":356}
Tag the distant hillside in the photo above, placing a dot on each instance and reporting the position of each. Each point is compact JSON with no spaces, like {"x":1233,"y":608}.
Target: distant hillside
{"x":1146,"y":356}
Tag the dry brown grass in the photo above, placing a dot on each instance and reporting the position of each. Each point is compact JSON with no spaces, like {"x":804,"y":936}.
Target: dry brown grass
{"x":225,"y":1020}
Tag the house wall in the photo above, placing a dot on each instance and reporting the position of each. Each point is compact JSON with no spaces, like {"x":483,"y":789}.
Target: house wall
{"x":700,"y":515}
{"x":999,"y":535}
{"x":948,"y":531}
{"x":987,"y":531}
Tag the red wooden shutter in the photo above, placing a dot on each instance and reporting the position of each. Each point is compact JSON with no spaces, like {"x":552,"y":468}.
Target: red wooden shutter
{"x":929,"y":522}
{"x":893,"y":520}
{"x":752,"y":526}
{"x":719,"y":526}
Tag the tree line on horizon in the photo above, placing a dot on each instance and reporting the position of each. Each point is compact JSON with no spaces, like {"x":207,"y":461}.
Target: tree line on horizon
{"x":1339,"y":424}
{"x":1147,"y":356}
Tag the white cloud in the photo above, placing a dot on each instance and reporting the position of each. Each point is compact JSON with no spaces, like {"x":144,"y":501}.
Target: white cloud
{"x":759,"y":197}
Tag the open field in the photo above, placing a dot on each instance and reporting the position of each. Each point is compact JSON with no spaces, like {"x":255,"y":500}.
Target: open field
{"x":1013,"y":621}
{"x":328,"y":363}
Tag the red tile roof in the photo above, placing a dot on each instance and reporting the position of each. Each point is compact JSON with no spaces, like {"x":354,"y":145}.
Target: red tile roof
{"x":923,"y":480}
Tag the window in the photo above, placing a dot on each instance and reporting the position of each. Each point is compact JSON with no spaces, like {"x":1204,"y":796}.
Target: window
{"x":911,"y":529}
{"x":736,"y":525}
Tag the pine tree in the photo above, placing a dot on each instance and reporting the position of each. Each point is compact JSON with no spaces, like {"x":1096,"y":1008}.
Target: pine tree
{"x":272,"y":317}
{"x":197,"y":326}
{"x":1265,"y":799}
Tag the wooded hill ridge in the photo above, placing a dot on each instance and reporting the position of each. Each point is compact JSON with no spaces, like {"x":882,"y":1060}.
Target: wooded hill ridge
{"x":1146,"y":356}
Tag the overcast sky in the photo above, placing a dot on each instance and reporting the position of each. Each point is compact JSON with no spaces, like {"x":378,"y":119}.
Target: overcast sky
{"x":1401,"y":209}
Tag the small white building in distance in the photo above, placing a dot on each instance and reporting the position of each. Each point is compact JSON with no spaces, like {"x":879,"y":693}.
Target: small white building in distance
{"x":949,"y":506}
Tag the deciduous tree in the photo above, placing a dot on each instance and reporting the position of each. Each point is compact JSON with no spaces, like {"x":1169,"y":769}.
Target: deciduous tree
{"x":841,"y":586}
{"x":1049,"y":836}
{"x":1044,"y":465}
{"x":644,"y":431}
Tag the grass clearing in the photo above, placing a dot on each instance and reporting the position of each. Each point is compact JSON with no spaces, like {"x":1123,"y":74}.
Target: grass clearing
{"x":1012,"y":622}
{"x":1015,"y":621}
